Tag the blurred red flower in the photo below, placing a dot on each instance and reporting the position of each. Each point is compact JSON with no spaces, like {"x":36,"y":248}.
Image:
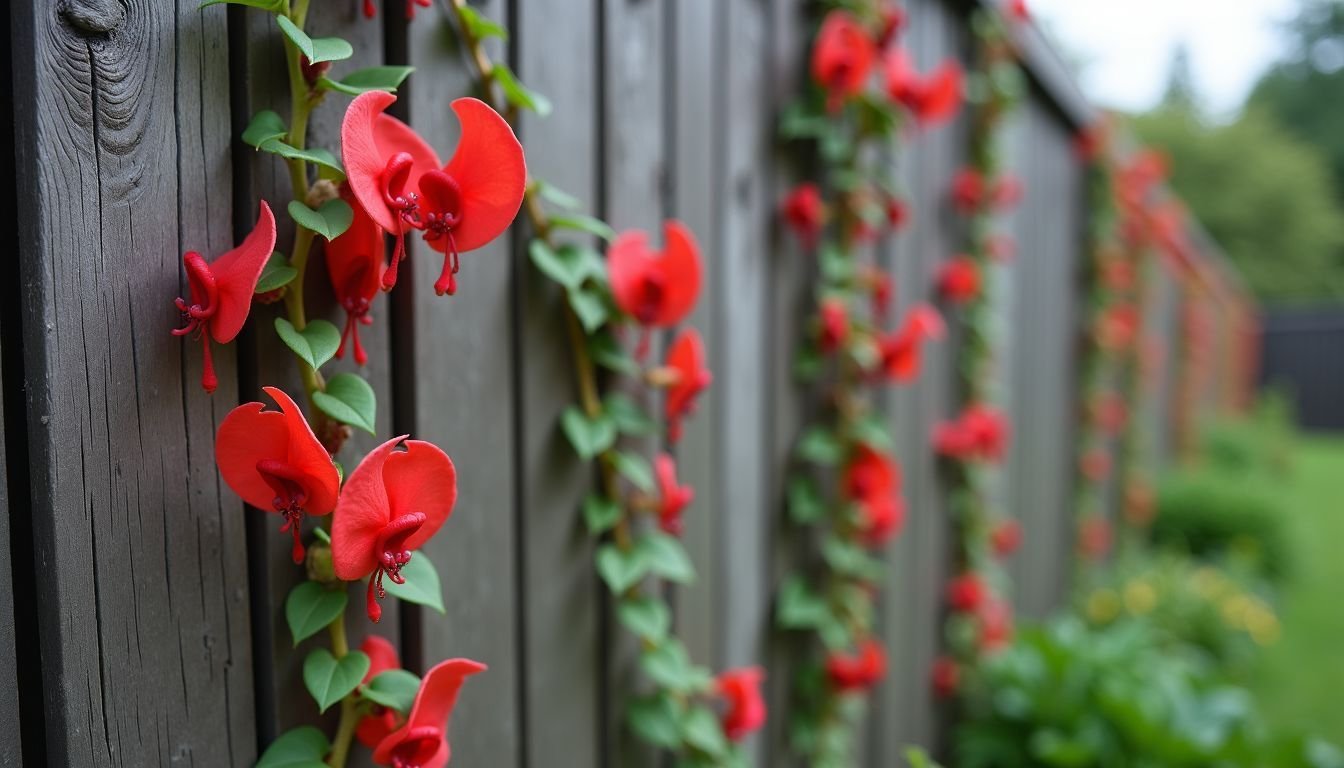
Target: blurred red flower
{"x":658,"y":289}
{"x":375,"y":726}
{"x":834,"y":325}
{"x":686,"y":357}
{"x":745,"y":707}
{"x":842,"y":57}
{"x":860,"y":671}
{"x":966,"y":593}
{"x":958,"y":279}
{"x":931,"y":98}
{"x":805,"y":213}
{"x":1006,"y":537}
{"x":672,"y":498}
{"x":423,"y":741}
{"x":946,"y":676}
{"x":355,"y":264}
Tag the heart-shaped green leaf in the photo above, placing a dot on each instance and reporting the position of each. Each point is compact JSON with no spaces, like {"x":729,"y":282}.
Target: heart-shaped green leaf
{"x":820,"y":446}
{"x":382,"y":78}
{"x":589,"y":306}
{"x":480,"y":27}
{"x":303,"y":747}
{"x":330,"y":220}
{"x":314,"y":345}
{"x":310,"y":607}
{"x":518,"y":94}
{"x":666,"y":557}
{"x":422,"y":583}
{"x":668,"y":665}
{"x":799,"y":607}
{"x":589,"y":437}
{"x":627,"y":415}
{"x":556,"y":196}
{"x":319,"y":156}
{"x":277,"y":274}
{"x":608,"y":353}
{"x":620,"y":569}
{"x":600,"y":514}
{"x":394,"y":688}
{"x":657,"y":720}
{"x":569,"y":265}
{"x":805,"y":504}
{"x":349,"y":399}
{"x":634,"y":468}
{"x":702,"y":730}
{"x":318,"y":50}
{"x":329,"y":679}
{"x":263,"y":127}
{"x":647,"y":617}
{"x":582,"y":223}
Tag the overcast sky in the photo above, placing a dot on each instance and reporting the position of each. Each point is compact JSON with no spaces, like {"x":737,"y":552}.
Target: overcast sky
{"x":1126,"y":45}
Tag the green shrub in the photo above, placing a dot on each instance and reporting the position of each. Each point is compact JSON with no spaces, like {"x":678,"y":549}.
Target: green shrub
{"x":1216,"y":514}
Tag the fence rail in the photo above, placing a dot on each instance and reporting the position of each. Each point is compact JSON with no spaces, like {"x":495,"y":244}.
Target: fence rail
{"x":146,"y":600}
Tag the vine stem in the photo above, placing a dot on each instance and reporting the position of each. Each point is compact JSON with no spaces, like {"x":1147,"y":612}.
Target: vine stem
{"x":585,"y":371}
{"x":345,"y":730}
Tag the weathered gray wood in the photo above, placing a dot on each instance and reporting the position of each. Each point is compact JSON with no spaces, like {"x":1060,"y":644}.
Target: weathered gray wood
{"x":464,"y":374}
{"x":142,"y":600}
{"x":562,"y":662}
{"x":11,"y":747}
{"x":743,"y":396}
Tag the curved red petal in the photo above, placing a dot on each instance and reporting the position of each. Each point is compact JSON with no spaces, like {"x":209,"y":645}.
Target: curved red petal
{"x":236,"y":275}
{"x":382,"y":656}
{"x":433,"y":705}
{"x":422,"y":479}
{"x":247,"y":435}
{"x":361,"y":512}
{"x":306,"y":454}
{"x":491,"y":173}
{"x":681,"y":264}
{"x":627,"y":264}
{"x":369,"y":139}
{"x":372,"y":729}
{"x":356,"y":259}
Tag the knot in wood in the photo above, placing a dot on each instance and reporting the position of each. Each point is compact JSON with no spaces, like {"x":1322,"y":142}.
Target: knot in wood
{"x":93,"y":16}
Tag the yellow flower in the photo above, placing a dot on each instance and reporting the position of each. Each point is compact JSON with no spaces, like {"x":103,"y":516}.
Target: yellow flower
{"x":1140,"y":597}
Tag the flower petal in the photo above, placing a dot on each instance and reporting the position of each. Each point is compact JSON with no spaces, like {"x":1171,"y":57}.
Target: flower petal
{"x":369,"y":139}
{"x":434,"y":704}
{"x":307,"y":455}
{"x":356,"y":259}
{"x":491,"y":174}
{"x":236,"y":275}
{"x":382,"y":656}
{"x":628,"y":261}
{"x":247,"y":435}
{"x":681,"y":264}
{"x":361,"y":512}
{"x":422,"y":479}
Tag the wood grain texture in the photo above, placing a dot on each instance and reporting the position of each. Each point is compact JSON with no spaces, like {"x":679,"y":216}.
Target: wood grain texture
{"x":464,"y":377}
{"x":122,"y":164}
{"x":11,"y":746}
{"x":562,"y":662}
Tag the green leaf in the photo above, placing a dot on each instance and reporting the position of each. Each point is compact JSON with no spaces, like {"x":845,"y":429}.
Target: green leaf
{"x":569,"y":265}
{"x":310,"y":607}
{"x":314,"y":345}
{"x":589,"y":437}
{"x":329,"y":679}
{"x":393,"y":688}
{"x":873,"y":433}
{"x":518,"y":94}
{"x":265,"y":5}
{"x":607,"y":352}
{"x":634,"y":468}
{"x":303,"y":747}
{"x":666,"y":557}
{"x":805,"y":504}
{"x":629,"y":417}
{"x":668,"y":665}
{"x":330,"y":220}
{"x":556,"y":196}
{"x":600,"y":513}
{"x":701,"y":729}
{"x":590,"y":308}
{"x":918,"y":758}
{"x":480,"y":27}
{"x":584,"y":223}
{"x":656,"y":720}
{"x":277,"y":274}
{"x":800,"y":607}
{"x":619,"y":569}
{"x":820,"y":446}
{"x":850,"y":559}
{"x":319,"y":50}
{"x":318,"y":155}
{"x":808,"y":364}
{"x":349,"y":399}
{"x":263,"y":127}
{"x":422,"y":583}
{"x":647,"y":617}
{"x":383,"y":78}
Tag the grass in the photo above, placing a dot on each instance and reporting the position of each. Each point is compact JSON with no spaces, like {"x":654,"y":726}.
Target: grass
{"x":1300,"y":679}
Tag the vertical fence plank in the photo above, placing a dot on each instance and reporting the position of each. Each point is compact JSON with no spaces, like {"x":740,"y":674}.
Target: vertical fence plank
{"x":463,"y":377}
{"x":11,"y":749}
{"x":122,"y":164}
{"x":561,"y":648}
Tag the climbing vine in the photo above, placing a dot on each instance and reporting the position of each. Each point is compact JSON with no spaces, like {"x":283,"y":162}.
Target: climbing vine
{"x":975,"y":441}
{"x":844,"y":491}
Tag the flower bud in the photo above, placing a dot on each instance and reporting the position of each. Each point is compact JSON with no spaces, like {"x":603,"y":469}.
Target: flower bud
{"x":319,"y":565}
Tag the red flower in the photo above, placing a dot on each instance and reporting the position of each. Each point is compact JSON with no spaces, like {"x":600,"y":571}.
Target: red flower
{"x":381,"y":721}
{"x":745,"y":710}
{"x":397,"y":180}
{"x":988,"y":431}
{"x":370,"y":11}
{"x":857,"y":672}
{"x":834,"y":324}
{"x":968,"y":190}
{"x":881,"y":290}
{"x":805,"y":212}
{"x":274,"y":462}
{"x":1018,"y":10}
{"x":901,"y":349}
{"x":672,"y":498}
{"x":842,"y":58}
{"x":946,"y":676}
{"x":996,"y":624}
{"x":892,"y":18}
{"x":686,"y":357}
{"x":391,"y":505}
{"x":882,"y":519}
{"x":959,"y":279}
{"x":1007,"y":192}
{"x":1117,"y":274}
{"x":1006,"y":537}
{"x":898,"y":213}
{"x":966,"y":593}
{"x":1110,"y":412}
{"x":1094,"y":537}
{"x":872,"y":480}
{"x":657,"y":289}
{"x":1118,"y":327}
{"x":221,"y":291}
{"x":1095,"y":465}
{"x":355,"y":267}
{"x":1000,"y":248}
{"x":423,"y":741}
{"x":932,"y":98}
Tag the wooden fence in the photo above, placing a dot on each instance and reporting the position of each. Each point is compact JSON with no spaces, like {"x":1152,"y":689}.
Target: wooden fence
{"x":146,"y":610}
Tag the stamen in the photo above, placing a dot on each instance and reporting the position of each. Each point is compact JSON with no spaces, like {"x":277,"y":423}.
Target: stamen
{"x":209,"y":381}
{"x":447,"y":282}
{"x":392,"y":557}
{"x":398,"y":255}
{"x":290,"y":496}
